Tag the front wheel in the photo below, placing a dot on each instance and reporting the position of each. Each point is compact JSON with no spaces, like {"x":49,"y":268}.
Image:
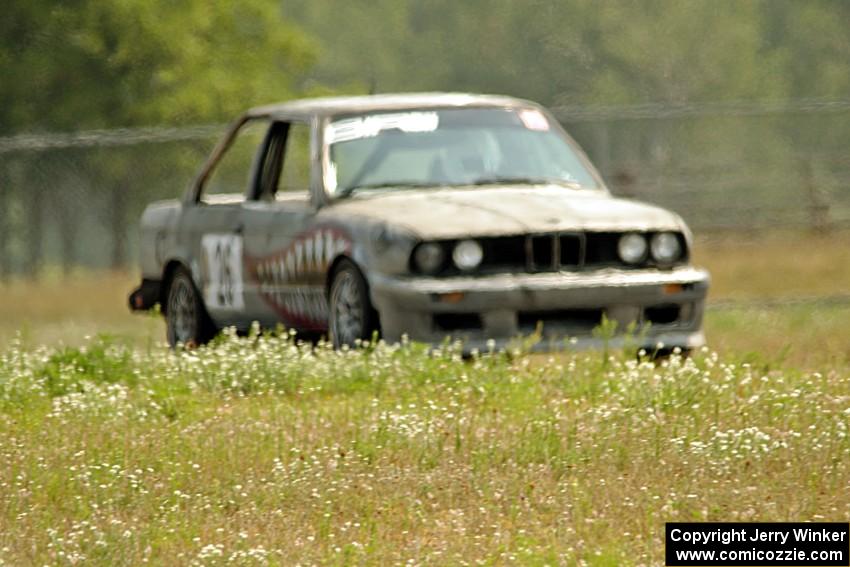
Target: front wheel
{"x":186,"y":318}
{"x":352,"y":317}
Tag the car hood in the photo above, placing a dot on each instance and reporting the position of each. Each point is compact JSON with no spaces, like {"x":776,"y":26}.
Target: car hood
{"x":493,"y":211}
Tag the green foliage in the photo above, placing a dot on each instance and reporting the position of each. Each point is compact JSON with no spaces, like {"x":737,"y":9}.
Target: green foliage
{"x":137,"y":62}
{"x":103,"y":367}
{"x":584,"y":51}
{"x":102,"y":63}
{"x":102,"y":362}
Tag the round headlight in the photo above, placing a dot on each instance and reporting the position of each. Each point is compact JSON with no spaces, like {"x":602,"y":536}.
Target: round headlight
{"x":632,"y":248}
{"x":665,"y":247}
{"x":429,"y":257}
{"x":467,"y":255}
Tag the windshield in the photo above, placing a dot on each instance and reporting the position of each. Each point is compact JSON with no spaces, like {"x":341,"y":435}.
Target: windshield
{"x":437,"y":148}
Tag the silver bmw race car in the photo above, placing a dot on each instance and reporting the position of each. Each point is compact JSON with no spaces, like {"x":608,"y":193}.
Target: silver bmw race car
{"x":426,"y":215}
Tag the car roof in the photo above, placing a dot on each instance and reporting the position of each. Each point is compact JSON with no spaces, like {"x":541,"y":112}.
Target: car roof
{"x":329,"y":106}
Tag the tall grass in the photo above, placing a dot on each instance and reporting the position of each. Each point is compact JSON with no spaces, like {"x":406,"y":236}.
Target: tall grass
{"x":260,"y":451}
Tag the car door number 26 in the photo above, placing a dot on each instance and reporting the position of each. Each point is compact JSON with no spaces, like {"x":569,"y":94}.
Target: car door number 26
{"x":222,"y":255}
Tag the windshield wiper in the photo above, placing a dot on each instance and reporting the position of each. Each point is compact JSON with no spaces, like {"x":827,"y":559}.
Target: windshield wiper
{"x":525,"y":181}
{"x":346,"y":191}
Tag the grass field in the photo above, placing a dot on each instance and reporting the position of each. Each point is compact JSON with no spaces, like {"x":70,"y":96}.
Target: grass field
{"x":257,"y":452}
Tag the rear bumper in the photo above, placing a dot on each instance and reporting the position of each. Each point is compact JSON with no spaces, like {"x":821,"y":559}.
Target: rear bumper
{"x":661,"y":306}
{"x":146,"y":296}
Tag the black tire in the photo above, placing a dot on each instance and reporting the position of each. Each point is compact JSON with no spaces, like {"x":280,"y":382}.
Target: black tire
{"x":186,"y":318}
{"x":352,"y":318}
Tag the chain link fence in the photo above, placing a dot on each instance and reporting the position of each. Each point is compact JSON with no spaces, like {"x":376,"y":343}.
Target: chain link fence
{"x":71,"y":201}
{"x":729,"y":166}
{"x":74,"y":200}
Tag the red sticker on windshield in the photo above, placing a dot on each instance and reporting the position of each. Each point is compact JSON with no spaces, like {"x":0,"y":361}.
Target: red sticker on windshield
{"x":533,"y":119}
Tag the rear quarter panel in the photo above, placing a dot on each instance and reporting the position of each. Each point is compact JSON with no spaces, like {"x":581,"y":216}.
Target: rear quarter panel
{"x":158,"y":237}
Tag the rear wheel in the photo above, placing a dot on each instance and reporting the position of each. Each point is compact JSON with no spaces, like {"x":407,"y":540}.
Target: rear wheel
{"x":186,"y":318}
{"x":352,"y":316}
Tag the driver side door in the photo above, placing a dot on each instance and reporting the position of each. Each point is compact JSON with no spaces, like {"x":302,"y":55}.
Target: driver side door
{"x":213,"y":228}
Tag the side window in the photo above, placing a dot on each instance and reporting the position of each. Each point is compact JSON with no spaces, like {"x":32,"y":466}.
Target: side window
{"x":232,"y":174}
{"x":295,"y":175}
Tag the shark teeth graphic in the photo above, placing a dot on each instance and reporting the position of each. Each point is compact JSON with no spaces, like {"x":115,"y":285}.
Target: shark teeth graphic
{"x":318,"y":247}
{"x":329,"y":247}
{"x":299,"y":256}
{"x":287,"y":279}
{"x":290,"y":262}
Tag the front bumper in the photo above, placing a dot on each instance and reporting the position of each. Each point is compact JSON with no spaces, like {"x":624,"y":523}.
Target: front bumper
{"x":659,"y":306}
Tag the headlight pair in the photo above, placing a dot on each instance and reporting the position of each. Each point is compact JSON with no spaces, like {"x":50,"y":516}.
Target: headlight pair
{"x":664,"y":247}
{"x":429,"y":257}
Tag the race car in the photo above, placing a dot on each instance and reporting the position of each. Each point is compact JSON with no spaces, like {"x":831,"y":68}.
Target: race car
{"x":434,"y":215}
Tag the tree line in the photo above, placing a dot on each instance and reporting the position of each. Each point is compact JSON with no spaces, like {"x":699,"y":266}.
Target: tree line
{"x":104,"y":63}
